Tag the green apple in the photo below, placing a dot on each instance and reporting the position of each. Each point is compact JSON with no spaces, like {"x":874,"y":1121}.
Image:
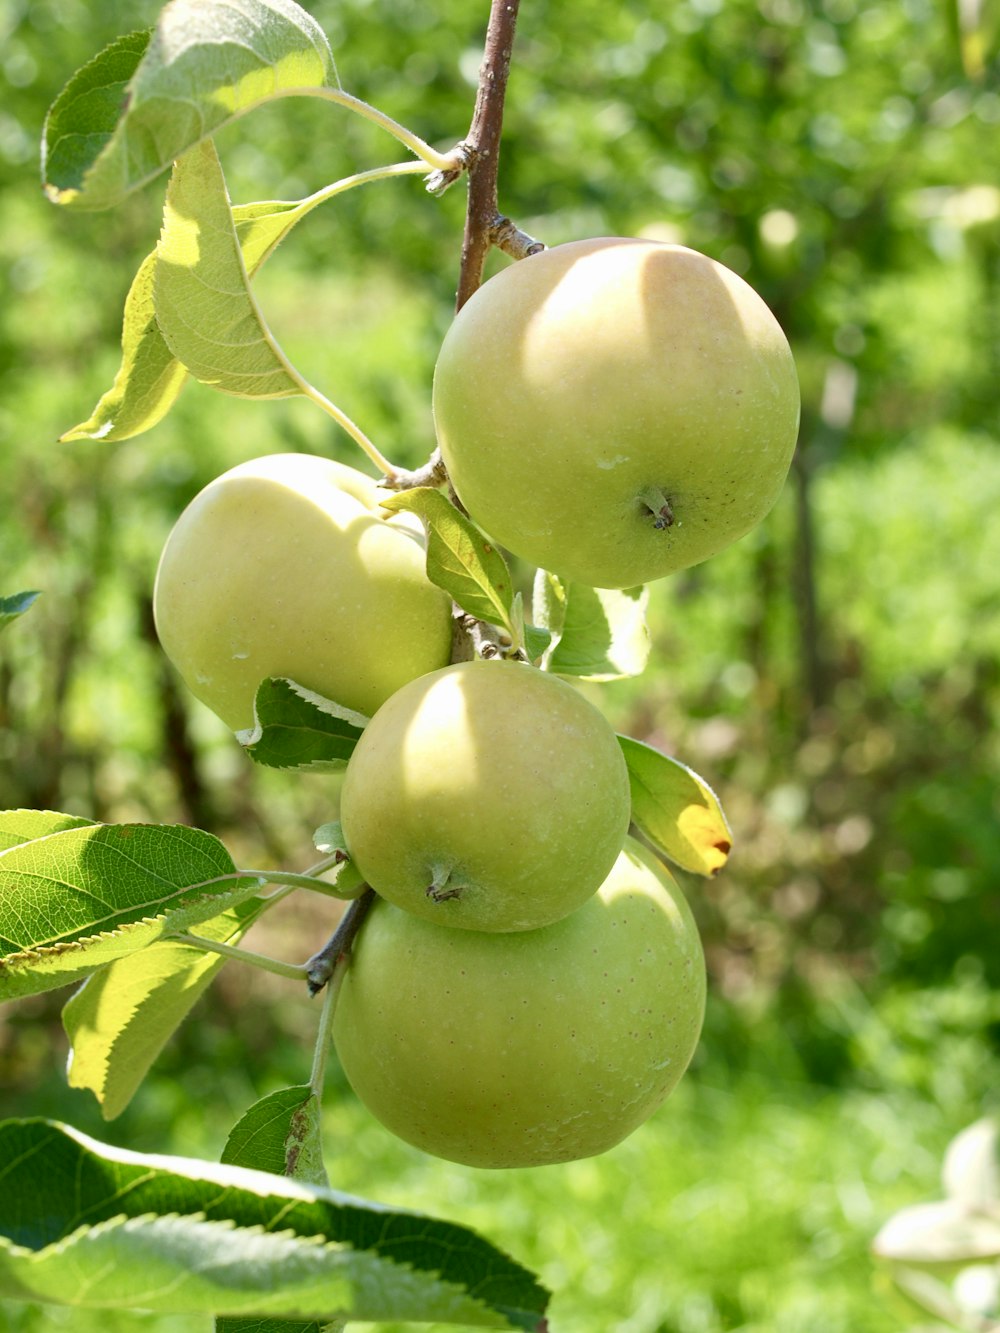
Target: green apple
{"x":503,"y":1050}
{"x":488,"y":795}
{"x":614,"y":410}
{"x":287,"y":566}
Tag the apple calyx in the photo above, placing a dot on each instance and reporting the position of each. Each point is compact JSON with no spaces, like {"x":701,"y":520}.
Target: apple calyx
{"x":441,"y":890}
{"x":658,"y":505}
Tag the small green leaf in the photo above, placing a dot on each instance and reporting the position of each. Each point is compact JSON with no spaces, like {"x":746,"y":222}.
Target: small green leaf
{"x":204,"y":306}
{"x":459,"y":558}
{"x":296,"y":728}
{"x":76,"y":899}
{"x":86,"y":1224}
{"x":121,"y":1017}
{"x":329,"y":839}
{"x":281,"y":1134}
{"x":536,"y":641}
{"x":144,"y":101}
{"x":676,"y":809}
{"x":599,"y":633}
{"x":548,"y":601}
{"x":15,"y":605}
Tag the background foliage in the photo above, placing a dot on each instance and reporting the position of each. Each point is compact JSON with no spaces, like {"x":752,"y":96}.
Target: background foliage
{"x":836,"y":676}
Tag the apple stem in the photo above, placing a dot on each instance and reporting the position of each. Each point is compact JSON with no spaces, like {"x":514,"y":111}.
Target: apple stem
{"x":334,"y":955}
{"x":433,"y":473}
{"x":658,"y":505}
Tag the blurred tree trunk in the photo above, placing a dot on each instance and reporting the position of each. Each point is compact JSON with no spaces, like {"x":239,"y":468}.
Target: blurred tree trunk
{"x":180,"y":754}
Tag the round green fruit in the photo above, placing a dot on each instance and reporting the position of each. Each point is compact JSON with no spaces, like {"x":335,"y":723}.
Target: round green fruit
{"x":489,"y":795}
{"x":614,"y":410}
{"x":286,"y":566}
{"x":530,"y":1048}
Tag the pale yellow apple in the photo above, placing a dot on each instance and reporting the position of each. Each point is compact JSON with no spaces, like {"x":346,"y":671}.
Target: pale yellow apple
{"x":286,"y":566}
{"x":489,"y":795}
{"x":614,"y":410}
{"x":506,"y":1050}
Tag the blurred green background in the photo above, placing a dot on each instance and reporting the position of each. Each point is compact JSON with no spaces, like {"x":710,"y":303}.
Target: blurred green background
{"x":836,"y":676}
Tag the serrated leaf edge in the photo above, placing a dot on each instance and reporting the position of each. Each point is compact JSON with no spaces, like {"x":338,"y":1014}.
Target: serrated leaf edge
{"x":250,"y":736}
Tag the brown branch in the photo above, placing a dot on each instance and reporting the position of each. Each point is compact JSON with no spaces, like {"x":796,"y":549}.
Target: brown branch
{"x":482,"y":147}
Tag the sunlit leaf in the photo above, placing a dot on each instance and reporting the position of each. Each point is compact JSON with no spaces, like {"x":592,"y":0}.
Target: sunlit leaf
{"x":122,"y":1016}
{"x":86,"y":1224}
{"x":598,"y":633}
{"x":17,"y":826}
{"x":145,"y":100}
{"x":459,"y":558}
{"x":81,"y":897}
{"x":15,"y":605}
{"x":676,"y":809}
{"x":204,"y":307}
{"x":296,"y":728}
{"x":150,"y":377}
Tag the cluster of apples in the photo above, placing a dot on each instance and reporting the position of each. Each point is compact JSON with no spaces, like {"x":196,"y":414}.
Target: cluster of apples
{"x":529,"y":985}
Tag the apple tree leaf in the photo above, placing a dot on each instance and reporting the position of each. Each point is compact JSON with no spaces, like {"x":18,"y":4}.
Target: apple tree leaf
{"x":17,"y":826}
{"x":598,"y":633}
{"x":146,"y":99}
{"x":73,"y":900}
{"x":203,"y":303}
{"x":121,"y":1018}
{"x":676,"y":809}
{"x":150,"y":377}
{"x":329,"y":839}
{"x":89,"y":1225}
{"x":15,"y":605}
{"x":460,"y":560}
{"x":297,"y":728}
{"x":533,"y":638}
{"x":281,"y":1134}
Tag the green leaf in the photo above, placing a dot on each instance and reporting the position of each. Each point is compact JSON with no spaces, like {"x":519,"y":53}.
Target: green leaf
{"x":329,"y":838}
{"x":676,"y":809}
{"x":86,"y":1224}
{"x":281,"y":1134}
{"x":296,"y":728}
{"x":599,"y":633}
{"x":15,"y":605}
{"x":121,"y":1017}
{"x":459,"y":558}
{"x":204,"y":306}
{"x":17,"y":826}
{"x":150,"y":377}
{"x":82,"y":120}
{"x":81,"y":897}
{"x":145,"y":100}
